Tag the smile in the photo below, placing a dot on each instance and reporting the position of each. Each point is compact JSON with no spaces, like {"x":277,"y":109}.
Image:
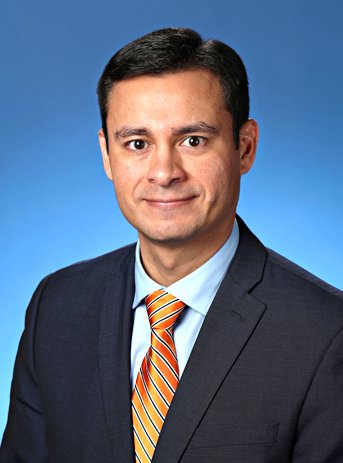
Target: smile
{"x":169,"y":203}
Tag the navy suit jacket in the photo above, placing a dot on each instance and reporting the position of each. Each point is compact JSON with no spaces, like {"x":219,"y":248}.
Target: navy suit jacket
{"x":264,"y":382}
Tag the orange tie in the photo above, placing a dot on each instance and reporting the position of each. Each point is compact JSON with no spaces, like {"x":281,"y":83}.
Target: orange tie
{"x":158,"y":377}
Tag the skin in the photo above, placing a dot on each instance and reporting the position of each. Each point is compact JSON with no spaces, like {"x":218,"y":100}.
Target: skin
{"x":175,"y":169}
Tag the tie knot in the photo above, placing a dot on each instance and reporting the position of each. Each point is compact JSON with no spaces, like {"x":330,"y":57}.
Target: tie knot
{"x":163,"y":309}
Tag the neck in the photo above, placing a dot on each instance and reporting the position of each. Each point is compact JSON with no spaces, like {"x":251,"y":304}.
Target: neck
{"x":167,"y":263}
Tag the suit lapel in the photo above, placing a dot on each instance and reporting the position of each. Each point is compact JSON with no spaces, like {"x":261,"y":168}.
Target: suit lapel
{"x":114,"y":349}
{"x":227,"y":328}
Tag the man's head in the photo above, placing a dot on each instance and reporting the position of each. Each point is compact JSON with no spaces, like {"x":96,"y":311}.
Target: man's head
{"x":173,"y":50}
{"x":172,"y":148}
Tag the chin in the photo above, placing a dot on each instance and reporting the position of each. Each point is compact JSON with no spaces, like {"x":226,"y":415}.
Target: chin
{"x":168,"y":236}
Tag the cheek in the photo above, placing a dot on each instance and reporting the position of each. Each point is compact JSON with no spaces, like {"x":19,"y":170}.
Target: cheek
{"x":125,"y":180}
{"x":221,"y":182}
{"x":213,"y":176}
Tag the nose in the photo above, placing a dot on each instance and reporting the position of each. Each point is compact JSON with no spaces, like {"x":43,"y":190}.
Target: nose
{"x":165,"y":167}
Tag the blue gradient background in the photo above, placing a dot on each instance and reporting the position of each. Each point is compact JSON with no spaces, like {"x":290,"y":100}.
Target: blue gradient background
{"x":57,"y":206}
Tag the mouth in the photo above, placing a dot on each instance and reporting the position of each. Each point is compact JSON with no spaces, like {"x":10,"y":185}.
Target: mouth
{"x":169,"y":203}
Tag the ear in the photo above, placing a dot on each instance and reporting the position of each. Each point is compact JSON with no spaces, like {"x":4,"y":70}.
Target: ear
{"x":248,"y":138}
{"x":104,"y":153}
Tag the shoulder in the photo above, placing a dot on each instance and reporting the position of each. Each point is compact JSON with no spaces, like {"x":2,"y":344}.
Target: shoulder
{"x":301,"y":310}
{"x":114,"y":259}
{"x":293,"y":276}
{"x":87,"y":277}
{"x":297,"y":295}
{"x":263,"y":271}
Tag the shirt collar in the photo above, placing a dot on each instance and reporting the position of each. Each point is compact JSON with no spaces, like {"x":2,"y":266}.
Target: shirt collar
{"x":197,"y":290}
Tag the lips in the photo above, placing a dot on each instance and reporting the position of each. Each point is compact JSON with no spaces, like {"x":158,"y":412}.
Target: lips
{"x":172,"y":200}
{"x":169,"y":203}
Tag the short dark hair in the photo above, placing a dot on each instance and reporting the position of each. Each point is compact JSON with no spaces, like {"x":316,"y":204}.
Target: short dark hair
{"x":173,"y":50}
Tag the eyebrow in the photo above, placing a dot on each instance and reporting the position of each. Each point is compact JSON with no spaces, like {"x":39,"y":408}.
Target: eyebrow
{"x":197,"y":127}
{"x":127,"y":131}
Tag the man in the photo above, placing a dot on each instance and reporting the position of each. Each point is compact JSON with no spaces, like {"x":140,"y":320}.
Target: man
{"x":198,"y":344}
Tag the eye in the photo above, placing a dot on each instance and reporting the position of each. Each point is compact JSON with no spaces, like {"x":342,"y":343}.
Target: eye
{"x":194,"y":141}
{"x":137,"y":145}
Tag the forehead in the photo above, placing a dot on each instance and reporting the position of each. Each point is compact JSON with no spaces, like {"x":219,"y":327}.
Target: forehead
{"x":193,"y":90}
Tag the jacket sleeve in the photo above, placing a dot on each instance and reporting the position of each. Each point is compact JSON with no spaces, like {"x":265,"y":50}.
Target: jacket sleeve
{"x":320,"y":427}
{"x":24,"y":438}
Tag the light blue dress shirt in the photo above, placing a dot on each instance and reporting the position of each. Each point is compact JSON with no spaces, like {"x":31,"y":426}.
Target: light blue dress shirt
{"x":197,"y":290}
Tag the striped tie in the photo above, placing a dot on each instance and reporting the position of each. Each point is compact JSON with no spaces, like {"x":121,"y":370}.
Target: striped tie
{"x":158,"y":377}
